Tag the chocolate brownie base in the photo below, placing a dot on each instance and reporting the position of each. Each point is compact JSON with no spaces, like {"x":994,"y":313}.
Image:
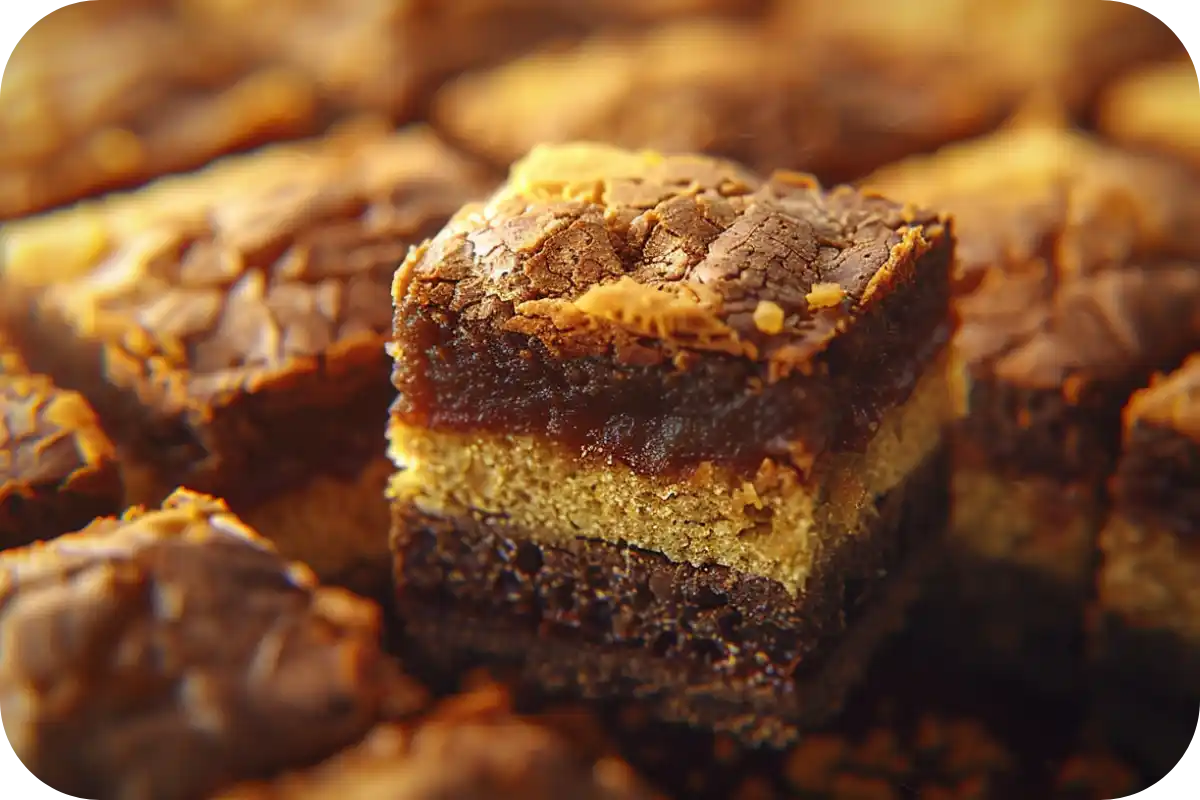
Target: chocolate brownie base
{"x":58,"y":469}
{"x":709,"y":645}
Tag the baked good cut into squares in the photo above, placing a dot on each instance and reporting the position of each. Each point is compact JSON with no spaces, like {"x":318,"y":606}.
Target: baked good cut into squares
{"x":681,"y":416}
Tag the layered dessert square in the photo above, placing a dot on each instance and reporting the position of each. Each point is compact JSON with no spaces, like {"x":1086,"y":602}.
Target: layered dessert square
{"x":58,"y":470}
{"x":1078,"y":276}
{"x":1147,"y":638}
{"x":679,"y":419}
{"x":171,"y":652}
{"x":228,"y":326}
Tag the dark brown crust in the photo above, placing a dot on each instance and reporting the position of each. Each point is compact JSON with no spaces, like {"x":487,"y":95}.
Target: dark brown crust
{"x":253,"y":316}
{"x":58,"y":470}
{"x":187,"y":655}
{"x":1078,"y":276}
{"x":711,"y":646}
{"x":1158,"y":477}
{"x":614,"y":301}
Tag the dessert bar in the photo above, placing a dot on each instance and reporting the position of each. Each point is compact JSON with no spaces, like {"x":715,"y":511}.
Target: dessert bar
{"x":58,"y":471}
{"x":469,"y":746}
{"x":1078,"y":275}
{"x":730,"y":89}
{"x":1156,"y":109}
{"x":171,"y":652}
{"x":104,"y":95}
{"x":680,"y":419}
{"x":1149,"y":587}
{"x":836,"y":89}
{"x":229,"y":326}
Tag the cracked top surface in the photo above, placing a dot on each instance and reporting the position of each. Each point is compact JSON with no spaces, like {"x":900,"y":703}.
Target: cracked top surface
{"x":50,"y":441}
{"x":1075,"y":262}
{"x":171,"y":651}
{"x":262,"y":267}
{"x":589,"y":247}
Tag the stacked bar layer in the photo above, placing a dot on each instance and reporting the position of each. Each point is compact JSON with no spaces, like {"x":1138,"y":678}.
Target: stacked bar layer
{"x":680,"y":419}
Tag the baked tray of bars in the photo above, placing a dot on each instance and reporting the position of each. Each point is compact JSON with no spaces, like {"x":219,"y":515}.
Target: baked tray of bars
{"x":498,"y":399}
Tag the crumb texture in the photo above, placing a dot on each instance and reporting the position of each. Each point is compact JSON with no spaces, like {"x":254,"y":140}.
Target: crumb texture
{"x":172,"y":651}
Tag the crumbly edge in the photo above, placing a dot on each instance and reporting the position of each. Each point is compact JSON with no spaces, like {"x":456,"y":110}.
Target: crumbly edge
{"x":776,"y":523}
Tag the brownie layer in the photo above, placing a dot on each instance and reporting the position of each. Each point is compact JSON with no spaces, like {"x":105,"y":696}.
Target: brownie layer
{"x":58,"y":469}
{"x":229,"y":326}
{"x":667,"y":311}
{"x":713,"y":646}
{"x":186,"y":655}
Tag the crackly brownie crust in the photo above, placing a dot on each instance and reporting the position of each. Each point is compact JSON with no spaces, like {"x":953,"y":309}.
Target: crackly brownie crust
{"x":58,"y":469}
{"x":229,"y":326}
{"x":756,"y":658}
{"x":469,"y":746}
{"x":188,"y":655}
{"x":1076,"y":278}
{"x":642,"y":290}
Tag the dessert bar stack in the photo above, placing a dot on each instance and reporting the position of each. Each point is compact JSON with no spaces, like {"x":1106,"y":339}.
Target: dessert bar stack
{"x":675,"y":422}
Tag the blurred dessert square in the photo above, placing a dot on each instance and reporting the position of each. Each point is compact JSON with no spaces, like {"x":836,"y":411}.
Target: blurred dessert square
{"x":1077,"y":277}
{"x":228,"y":326}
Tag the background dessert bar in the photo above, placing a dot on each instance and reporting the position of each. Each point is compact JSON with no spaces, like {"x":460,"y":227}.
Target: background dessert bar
{"x":1077,"y":277}
{"x":169,"y":652}
{"x":228,"y":326}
